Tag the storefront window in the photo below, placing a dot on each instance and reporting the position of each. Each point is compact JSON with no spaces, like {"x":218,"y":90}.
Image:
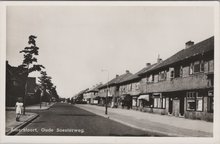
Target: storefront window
{"x":159,"y":102}
{"x":156,"y":102}
{"x":199,"y":103}
{"x":194,"y":101}
{"x":134,"y":101}
{"x":191,"y":101}
{"x":164,"y":102}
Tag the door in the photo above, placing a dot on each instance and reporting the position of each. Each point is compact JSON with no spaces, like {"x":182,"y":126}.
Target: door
{"x":181,"y":106}
{"x":170,"y":105}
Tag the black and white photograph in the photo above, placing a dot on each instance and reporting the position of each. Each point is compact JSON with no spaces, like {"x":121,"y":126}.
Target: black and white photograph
{"x":110,"y":70}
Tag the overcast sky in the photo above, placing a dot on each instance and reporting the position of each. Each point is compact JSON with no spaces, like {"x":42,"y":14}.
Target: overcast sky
{"x":77,"y":42}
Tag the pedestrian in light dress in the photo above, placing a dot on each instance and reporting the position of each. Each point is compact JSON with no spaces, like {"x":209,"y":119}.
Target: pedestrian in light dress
{"x":18,"y":107}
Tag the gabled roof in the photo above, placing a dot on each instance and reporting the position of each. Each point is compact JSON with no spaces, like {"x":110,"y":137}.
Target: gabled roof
{"x":197,"y":49}
{"x":137,"y":75}
{"x":16,"y":73}
{"x":81,"y":92}
{"x":95,"y":89}
{"x":116,"y":80}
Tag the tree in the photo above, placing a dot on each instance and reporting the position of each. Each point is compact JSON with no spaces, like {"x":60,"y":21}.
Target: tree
{"x":30,"y":61}
{"x":54,"y":93}
{"x":45,"y":84}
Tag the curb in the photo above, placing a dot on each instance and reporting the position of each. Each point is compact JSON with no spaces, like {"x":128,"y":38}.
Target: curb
{"x":16,"y":129}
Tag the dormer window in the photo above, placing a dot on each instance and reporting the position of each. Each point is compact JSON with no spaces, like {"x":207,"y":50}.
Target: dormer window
{"x":196,"y":67}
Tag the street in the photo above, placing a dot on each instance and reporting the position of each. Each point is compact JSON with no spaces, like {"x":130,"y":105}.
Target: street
{"x":68,"y":120}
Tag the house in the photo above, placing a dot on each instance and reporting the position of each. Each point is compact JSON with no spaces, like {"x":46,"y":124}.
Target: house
{"x":130,"y":91}
{"x":78,"y":98}
{"x":15,"y":84}
{"x":91,"y":96}
{"x":182,"y":85}
{"x":112,"y":88}
{"x":16,"y":81}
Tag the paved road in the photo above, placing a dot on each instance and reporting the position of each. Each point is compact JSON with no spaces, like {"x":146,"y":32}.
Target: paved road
{"x":68,"y":120}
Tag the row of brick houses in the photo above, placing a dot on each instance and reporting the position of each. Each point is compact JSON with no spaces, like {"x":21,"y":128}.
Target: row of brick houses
{"x":181,"y":86}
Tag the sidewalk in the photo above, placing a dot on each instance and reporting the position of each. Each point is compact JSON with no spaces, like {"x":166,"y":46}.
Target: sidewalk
{"x":161,"y":124}
{"x":12,"y":125}
{"x":44,"y":106}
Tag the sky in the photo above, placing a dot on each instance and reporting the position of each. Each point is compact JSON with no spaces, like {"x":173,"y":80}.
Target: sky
{"x":77,"y":42}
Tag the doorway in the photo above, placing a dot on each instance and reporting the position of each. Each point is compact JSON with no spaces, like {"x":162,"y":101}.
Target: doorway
{"x":170,"y":105}
{"x":181,"y":106}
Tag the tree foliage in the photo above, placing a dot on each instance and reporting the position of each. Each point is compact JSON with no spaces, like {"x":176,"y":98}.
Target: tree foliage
{"x":47,"y":85}
{"x":30,"y":54}
{"x":45,"y":80}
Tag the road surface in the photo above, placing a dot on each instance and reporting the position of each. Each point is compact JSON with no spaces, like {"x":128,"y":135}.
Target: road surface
{"x":68,"y":120}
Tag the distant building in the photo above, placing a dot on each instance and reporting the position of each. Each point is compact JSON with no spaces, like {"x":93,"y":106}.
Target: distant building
{"x":79,"y":98}
{"x":91,"y":96}
{"x":113,"y":90}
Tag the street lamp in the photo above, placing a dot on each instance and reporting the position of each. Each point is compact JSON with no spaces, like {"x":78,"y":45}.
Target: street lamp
{"x":106,"y":99}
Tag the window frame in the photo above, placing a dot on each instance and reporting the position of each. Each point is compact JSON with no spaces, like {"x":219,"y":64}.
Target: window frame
{"x":196,"y":96}
{"x":159,"y":99}
{"x":196,"y":65}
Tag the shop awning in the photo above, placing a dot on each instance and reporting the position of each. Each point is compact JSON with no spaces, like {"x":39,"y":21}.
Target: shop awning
{"x":144,"y":97}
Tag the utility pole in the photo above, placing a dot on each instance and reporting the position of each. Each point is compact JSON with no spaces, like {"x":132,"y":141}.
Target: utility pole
{"x":106,"y":98}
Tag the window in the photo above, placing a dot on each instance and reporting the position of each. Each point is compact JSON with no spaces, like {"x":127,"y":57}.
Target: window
{"x":150,"y":78}
{"x":194,"y":101}
{"x":137,"y":86}
{"x":177,"y":72}
{"x":199,"y":103}
{"x":191,"y":101}
{"x":191,"y":68}
{"x":162,"y":76}
{"x":159,"y":102}
{"x":202,"y":68}
{"x":156,"y":78}
{"x":196,"y":67}
{"x":171,"y":73}
{"x":181,"y":71}
{"x":130,"y":87}
{"x":210,"y":103}
{"x":211,"y":65}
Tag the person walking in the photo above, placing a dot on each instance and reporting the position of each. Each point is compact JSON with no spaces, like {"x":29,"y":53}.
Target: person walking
{"x":18,"y":107}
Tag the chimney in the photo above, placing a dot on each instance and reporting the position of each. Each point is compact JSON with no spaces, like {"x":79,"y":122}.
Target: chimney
{"x":117,"y":75}
{"x":189,"y":44}
{"x":127,"y":71}
{"x":148,"y":64}
{"x":159,"y":59}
